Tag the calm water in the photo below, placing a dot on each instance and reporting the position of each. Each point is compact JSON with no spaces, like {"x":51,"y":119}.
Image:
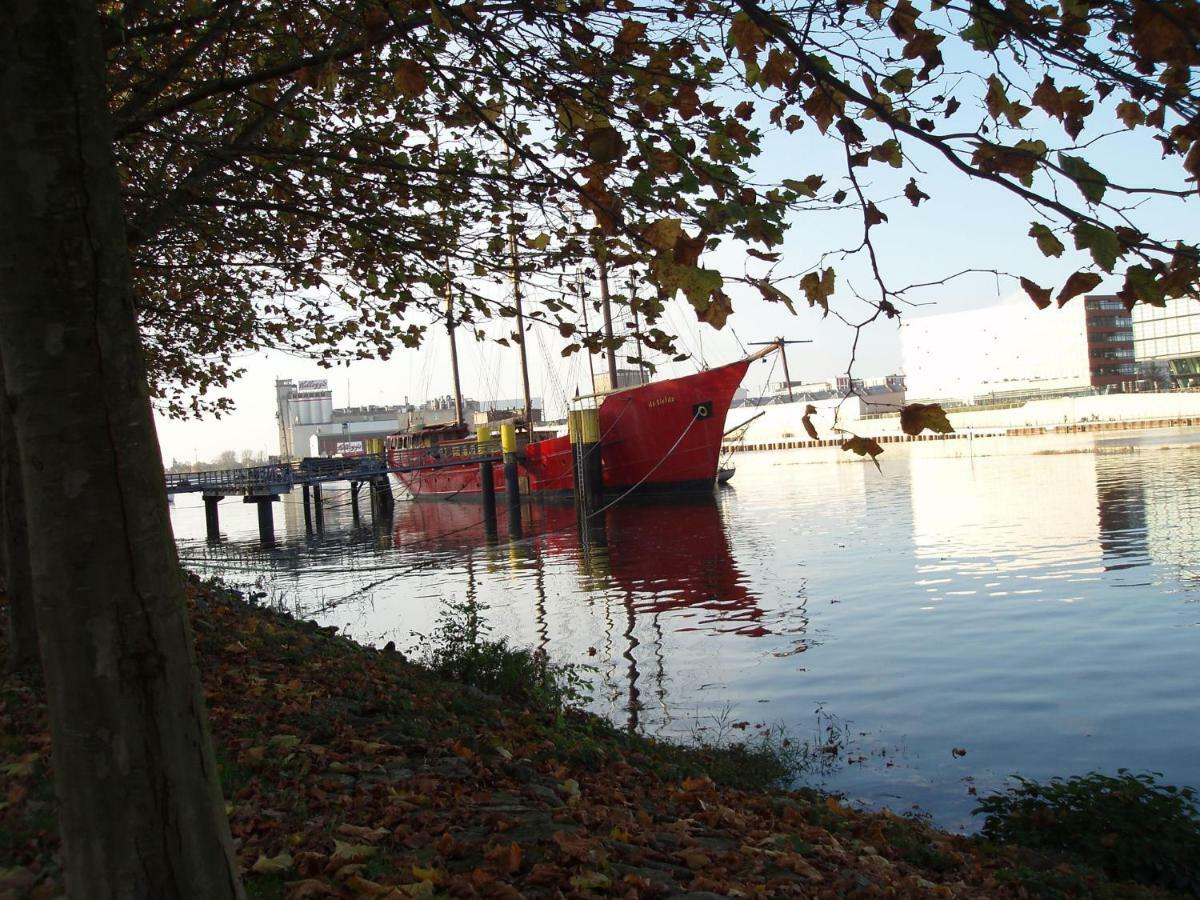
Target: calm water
{"x":1035,"y":605}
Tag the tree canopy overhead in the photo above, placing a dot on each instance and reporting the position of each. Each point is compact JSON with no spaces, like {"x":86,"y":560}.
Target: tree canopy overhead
{"x":311,"y":176}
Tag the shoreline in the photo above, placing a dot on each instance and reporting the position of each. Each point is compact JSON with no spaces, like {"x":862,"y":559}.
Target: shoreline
{"x":351,"y":772}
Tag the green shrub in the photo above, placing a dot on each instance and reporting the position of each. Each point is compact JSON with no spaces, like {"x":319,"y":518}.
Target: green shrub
{"x":1129,"y":825}
{"x":460,"y":649}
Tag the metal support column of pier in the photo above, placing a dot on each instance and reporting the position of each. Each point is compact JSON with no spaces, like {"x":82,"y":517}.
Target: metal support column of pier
{"x":266,"y":516}
{"x":583,"y":428}
{"x":307,"y":511}
{"x":318,"y":508}
{"x":212,"y":521}
{"x":512,"y":484}
{"x":487,"y":479}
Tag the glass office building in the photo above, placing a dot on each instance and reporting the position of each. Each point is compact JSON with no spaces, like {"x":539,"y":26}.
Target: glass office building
{"x":1166,"y":340}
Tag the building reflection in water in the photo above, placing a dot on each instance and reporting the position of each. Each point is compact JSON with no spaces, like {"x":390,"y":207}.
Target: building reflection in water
{"x":994,"y":521}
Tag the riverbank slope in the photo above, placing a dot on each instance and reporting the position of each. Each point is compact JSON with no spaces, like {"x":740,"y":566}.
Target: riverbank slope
{"x":350,"y":773}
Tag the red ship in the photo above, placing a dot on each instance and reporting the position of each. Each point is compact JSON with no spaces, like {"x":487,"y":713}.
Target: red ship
{"x":663,"y":436}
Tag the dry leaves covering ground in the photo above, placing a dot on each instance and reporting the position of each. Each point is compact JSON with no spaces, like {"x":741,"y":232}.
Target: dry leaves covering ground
{"x":350,"y":773}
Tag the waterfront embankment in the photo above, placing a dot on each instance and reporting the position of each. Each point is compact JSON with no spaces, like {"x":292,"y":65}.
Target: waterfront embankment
{"x":781,"y":427}
{"x":349,"y":772}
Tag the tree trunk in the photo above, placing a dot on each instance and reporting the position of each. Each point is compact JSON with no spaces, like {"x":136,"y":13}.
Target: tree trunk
{"x":140,"y":808}
{"x":14,"y":549}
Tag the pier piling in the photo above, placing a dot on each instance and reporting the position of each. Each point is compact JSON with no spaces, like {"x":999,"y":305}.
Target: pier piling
{"x":512,"y":482}
{"x":266,"y":516}
{"x":318,"y":508}
{"x":487,"y":480}
{"x":308,"y":528}
{"x":354,"y":486}
{"x":382,"y":501}
{"x":212,"y":522}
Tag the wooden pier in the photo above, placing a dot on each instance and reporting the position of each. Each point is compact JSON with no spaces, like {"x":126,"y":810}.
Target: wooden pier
{"x":263,"y":485}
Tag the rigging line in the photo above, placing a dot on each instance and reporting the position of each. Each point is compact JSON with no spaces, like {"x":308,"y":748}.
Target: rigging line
{"x":678,"y":441}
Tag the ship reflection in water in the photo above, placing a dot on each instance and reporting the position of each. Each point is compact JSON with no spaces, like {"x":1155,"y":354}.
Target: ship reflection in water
{"x":622,"y":549}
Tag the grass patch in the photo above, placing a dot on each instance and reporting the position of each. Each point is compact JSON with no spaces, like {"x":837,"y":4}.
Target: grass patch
{"x":1131,"y":826}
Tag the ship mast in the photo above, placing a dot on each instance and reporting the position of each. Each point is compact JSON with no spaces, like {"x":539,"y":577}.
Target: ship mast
{"x":609,"y":350}
{"x":583,"y":304}
{"x":516,"y":280}
{"x":637,"y":334}
{"x":458,"y":401}
{"x":782,"y":343}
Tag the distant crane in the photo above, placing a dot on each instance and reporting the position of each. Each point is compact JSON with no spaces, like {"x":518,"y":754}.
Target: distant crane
{"x":781,"y":343}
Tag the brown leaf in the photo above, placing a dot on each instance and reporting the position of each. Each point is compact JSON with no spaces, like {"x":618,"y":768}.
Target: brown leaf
{"x":605,"y":145}
{"x":914,"y":194}
{"x":916,"y":417}
{"x":348,"y":853}
{"x":631,"y":33}
{"x":873,"y":216}
{"x":370,"y":835}
{"x":663,"y":234}
{"x":809,"y":427}
{"x":409,"y":78}
{"x":1079,"y":283}
{"x":309,"y":887}
{"x":1039,"y":295}
{"x":366,"y":888}
{"x":864,"y":446}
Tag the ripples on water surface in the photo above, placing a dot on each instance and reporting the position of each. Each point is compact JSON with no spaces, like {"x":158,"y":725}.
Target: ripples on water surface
{"x":1035,"y":605}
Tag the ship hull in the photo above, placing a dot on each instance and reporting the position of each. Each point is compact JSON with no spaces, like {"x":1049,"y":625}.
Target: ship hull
{"x":663,"y":437}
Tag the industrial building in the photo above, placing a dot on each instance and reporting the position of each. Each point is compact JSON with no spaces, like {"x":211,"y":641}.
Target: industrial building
{"x":1013,"y":351}
{"x":310,"y":426}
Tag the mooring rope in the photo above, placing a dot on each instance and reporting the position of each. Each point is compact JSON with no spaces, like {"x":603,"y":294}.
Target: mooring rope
{"x":645,"y":478}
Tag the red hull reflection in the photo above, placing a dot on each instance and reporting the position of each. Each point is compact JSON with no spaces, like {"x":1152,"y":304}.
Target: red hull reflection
{"x":664,"y":556}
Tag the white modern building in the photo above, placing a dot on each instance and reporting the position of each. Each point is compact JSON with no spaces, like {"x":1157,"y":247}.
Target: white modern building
{"x":1015,"y":351}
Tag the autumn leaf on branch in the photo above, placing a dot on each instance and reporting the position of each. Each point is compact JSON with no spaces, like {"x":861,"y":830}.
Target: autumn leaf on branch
{"x":1039,"y":295}
{"x":1079,"y":283}
{"x":916,"y":417}
{"x":914,"y":194}
{"x":864,"y":446}
{"x":818,"y":288}
{"x":806,"y":421}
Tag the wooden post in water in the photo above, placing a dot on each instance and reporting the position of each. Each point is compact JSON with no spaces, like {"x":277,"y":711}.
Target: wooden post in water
{"x":382,"y":501}
{"x":212,"y":522}
{"x":487,"y":479}
{"x":354,"y":486}
{"x":319,"y":508}
{"x":512,"y":484}
{"x":307,"y":511}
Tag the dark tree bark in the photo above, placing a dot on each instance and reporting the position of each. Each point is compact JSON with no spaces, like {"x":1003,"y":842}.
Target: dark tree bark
{"x":140,"y":808}
{"x":14,"y":549}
